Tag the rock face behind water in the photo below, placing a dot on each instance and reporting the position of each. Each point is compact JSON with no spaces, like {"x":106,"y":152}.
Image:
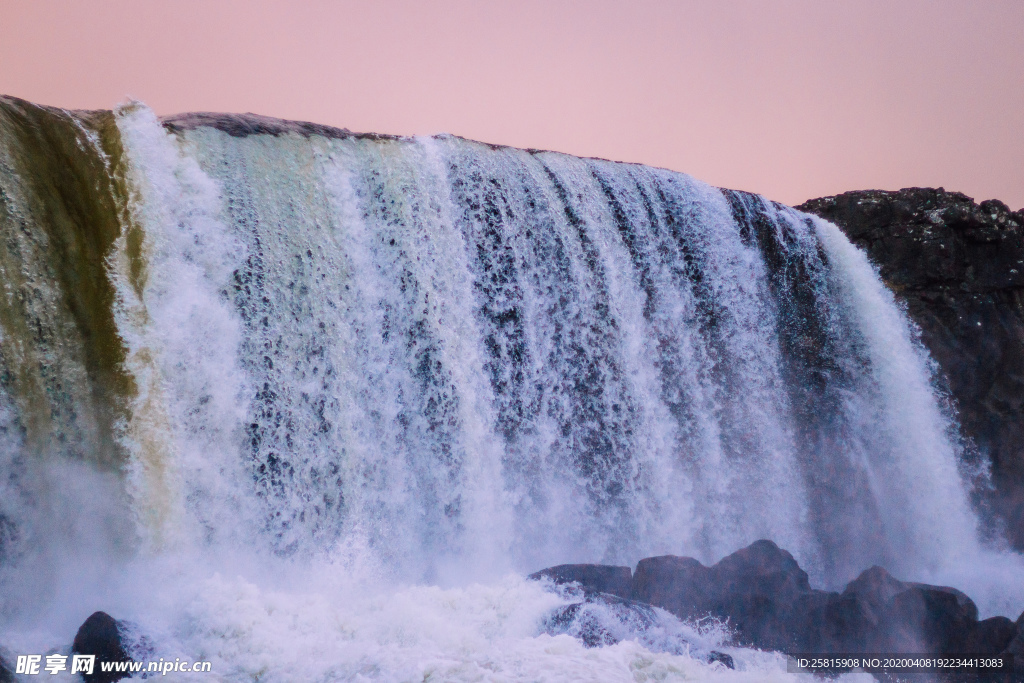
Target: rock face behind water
{"x":959,"y":266}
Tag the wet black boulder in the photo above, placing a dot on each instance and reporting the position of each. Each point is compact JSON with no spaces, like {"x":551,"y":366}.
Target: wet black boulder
{"x":761,"y":590}
{"x":766,"y":599}
{"x":103,"y":636}
{"x":1016,"y":647}
{"x":602,"y":619}
{"x":591,"y":578}
{"x":765,"y":596}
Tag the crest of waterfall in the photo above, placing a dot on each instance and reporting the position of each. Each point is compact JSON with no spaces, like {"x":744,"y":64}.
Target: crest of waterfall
{"x":460,"y":359}
{"x":565,"y":359}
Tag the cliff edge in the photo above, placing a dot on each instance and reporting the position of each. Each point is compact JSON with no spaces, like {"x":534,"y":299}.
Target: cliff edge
{"x":959,"y":266}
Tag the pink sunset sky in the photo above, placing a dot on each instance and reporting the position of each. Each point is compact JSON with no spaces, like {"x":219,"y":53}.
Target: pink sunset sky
{"x":791,"y":98}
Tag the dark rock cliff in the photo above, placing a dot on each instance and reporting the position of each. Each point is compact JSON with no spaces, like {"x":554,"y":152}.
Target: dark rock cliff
{"x":959,"y":266}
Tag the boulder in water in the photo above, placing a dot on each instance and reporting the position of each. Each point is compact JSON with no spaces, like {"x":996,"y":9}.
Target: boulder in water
{"x":591,"y":578}
{"x":1016,"y":646}
{"x":761,"y":590}
{"x":602,"y":619}
{"x":830,"y":623}
{"x":99,"y":635}
{"x":925,"y":618}
{"x":874,"y":589}
{"x":722,"y":658}
{"x":917,"y":617}
{"x":991,"y":636}
{"x":677,"y":584}
{"x":766,"y":598}
{"x":110,"y":640}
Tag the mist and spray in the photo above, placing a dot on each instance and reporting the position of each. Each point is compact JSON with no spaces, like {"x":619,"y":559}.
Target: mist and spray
{"x":334,"y":395}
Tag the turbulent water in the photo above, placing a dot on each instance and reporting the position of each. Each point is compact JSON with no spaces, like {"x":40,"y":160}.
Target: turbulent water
{"x":306,"y":404}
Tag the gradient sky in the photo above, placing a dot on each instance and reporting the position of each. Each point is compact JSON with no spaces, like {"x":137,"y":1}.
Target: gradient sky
{"x":791,"y":98}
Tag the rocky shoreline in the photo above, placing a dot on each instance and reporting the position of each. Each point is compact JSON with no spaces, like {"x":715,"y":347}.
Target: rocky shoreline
{"x":766,"y":601}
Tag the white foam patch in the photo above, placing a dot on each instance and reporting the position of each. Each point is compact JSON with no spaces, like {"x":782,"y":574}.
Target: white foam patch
{"x":475,"y":633}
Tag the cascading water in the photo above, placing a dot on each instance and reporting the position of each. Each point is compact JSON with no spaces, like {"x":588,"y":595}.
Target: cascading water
{"x":263,"y":385}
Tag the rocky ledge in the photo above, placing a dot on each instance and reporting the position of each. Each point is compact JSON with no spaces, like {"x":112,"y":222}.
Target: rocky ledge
{"x":767,"y":602}
{"x":959,"y":267}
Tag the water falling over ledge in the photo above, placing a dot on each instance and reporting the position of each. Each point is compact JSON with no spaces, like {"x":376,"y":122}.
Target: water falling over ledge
{"x":279,"y":351}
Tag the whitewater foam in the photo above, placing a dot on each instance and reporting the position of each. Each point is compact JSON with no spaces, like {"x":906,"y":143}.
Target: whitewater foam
{"x":373,"y":380}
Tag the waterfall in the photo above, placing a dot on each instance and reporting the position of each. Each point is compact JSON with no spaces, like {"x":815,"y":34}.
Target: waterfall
{"x":428,"y":362}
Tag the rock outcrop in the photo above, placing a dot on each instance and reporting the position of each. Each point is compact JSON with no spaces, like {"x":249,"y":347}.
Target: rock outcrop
{"x":603,"y":619}
{"x":1016,"y":646}
{"x":959,"y":266}
{"x":760,"y":589}
{"x":768,"y":602}
{"x":592,"y":578}
{"x":110,"y":640}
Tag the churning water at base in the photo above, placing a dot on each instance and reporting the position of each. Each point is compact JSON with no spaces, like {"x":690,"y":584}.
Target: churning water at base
{"x":263,"y":393}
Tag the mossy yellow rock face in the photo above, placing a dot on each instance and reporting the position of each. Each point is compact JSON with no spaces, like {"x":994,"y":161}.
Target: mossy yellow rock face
{"x":61,"y":208}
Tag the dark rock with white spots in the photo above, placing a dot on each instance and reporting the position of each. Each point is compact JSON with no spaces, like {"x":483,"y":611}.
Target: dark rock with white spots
{"x":959,"y":267}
